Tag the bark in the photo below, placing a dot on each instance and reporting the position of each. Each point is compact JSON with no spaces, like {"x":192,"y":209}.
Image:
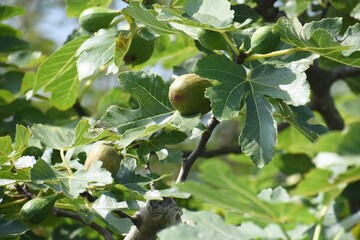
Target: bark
{"x":156,"y":216}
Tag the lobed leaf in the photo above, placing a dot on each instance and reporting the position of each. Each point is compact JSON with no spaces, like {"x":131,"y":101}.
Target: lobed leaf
{"x":95,"y":52}
{"x":321,"y":37}
{"x":75,"y":7}
{"x":58,"y":75}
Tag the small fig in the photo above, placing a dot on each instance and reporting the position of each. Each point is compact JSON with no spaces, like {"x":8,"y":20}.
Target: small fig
{"x":264,"y":40}
{"x":187,"y":94}
{"x":140,"y":51}
{"x":107,"y":155}
{"x":211,"y":39}
{"x":36,"y":210}
{"x":96,"y":18}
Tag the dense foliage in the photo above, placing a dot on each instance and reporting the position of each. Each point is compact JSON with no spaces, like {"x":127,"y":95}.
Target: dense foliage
{"x":277,"y":157}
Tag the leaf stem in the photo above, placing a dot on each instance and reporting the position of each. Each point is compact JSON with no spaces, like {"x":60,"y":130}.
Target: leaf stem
{"x":230,"y":43}
{"x":318,"y":226}
{"x":253,"y":57}
{"x":66,"y":164}
{"x":41,"y":97}
{"x":285,"y":233}
{"x":13,"y":203}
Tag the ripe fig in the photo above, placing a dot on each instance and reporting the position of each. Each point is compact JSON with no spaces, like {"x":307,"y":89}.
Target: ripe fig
{"x":186,"y":94}
{"x":140,"y":51}
{"x":264,"y":40}
{"x":36,"y":210}
{"x":95,"y":18}
{"x":211,"y":39}
{"x":107,"y":155}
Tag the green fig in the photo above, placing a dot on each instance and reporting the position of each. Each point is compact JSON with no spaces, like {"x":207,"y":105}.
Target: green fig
{"x":107,"y":155}
{"x":37,"y":209}
{"x":96,"y":18}
{"x":187,"y":94}
{"x":264,"y":40}
{"x":211,"y":39}
{"x":140,"y":51}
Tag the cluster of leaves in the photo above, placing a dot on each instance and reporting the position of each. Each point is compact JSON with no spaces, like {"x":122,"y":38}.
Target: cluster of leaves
{"x":46,"y":131}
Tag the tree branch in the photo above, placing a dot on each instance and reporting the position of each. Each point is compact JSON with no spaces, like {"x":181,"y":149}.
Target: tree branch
{"x":74,"y":216}
{"x":190,"y":160}
{"x":320,"y":82}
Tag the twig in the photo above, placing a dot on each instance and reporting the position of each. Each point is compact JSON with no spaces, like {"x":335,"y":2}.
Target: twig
{"x":88,"y":196}
{"x":320,"y":82}
{"x":23,"y":191}
{"x":74,"y":216}
{"x":148,"y":170}
{"x":190,"y":160}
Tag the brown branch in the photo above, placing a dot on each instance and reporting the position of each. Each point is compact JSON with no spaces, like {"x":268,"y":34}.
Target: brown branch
{"x":320,"y":82}
{"x":148,"y":170}
{"x":200,"y":148}
{"x":23,"y":191}
{"x":74,"y":216}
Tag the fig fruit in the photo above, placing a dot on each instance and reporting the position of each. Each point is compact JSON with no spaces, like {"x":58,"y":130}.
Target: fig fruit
{"x":140,"y":51}
{"x":107,"y":155}
{"x":187,"y":94}
{"x":36,"y":210}
{"x":95,"y":18}
{"x":211,"y":39}
{"x":264,"y":40}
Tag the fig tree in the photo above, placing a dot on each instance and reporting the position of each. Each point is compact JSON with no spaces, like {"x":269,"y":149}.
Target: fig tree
{"x":140,"y":50}
{"x":211,"y":39}
{"x":107,"y":155}
{"x":187,"y":94}
{"x":95,"y":18}
{"x":264,"y":40}
{"x":36,"y":210}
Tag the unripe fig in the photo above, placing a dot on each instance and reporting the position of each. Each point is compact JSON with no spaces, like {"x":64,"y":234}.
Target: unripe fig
{"x":211,"y":39}
{"x":107,"y":155}
{"x":264,"y":40}
{"x":95,"y":18}
{"x":187,"y":94}
{"x":140,"y":51}
{"x":36,"y":210}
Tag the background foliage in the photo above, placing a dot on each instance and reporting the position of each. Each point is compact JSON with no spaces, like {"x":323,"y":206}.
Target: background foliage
{"x":282,"y":163}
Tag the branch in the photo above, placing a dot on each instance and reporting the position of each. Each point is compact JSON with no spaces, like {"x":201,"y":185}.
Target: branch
{"x":23,"y":191}
{"x":320,"y":82}
{"x":156,"y":216}
{"x":190,"y":160}
{"x":74,"y":216}
{"x":345,"y":72}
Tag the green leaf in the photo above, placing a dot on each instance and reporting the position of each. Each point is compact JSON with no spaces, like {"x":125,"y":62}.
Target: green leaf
{"x":58,"y":75}
{"x":10,"y":11}
{"x":259,"y":134}
{"x":53,"y":137}
{"x":301,"y":118}
{"x":201,"y":224}
{"x":223,"y":188}
{"x":71,"y":185}
{"x":244,"y":12}
{"x":5,"y":149}
{"x":104,"y":206}
{"x":355,"y":13}
{"x":11,"y":44}
{"x":318,"y":180}
{"x":258,"y":137}
{"x":295,"y":7}
{"x":7,"y":30}
{"x":227,"y":98}
{"x":7,"y":173}
{"x":156,"y":143}
{"x":320,"y":38}
{"x":351,"y":141}
{"x":151,"y":92}
{"x":75,"y":7}
{"x":215,"y":13}
{"x":12,"y":228}
{"x":95,"y":52}
{"x":6,"y":97}
{"x":22,"y":137}
{"x":85,"y":135}
{"x":147,"y":17}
